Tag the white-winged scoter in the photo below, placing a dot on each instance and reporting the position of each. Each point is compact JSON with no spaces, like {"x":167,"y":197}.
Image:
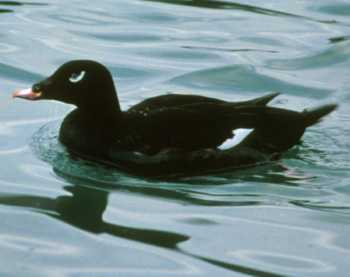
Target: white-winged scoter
{"x":171,"y":133}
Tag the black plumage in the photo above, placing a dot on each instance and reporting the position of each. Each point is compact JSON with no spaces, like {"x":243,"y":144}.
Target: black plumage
{"x":173,"y":123}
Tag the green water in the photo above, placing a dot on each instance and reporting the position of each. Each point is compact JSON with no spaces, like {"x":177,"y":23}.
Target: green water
{"x":61,"y":216}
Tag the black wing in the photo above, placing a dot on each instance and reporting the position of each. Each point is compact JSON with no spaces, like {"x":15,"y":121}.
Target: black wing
{"x":187,"y":122}
{"x":188,"y":127}
{"x":178,"y":100}
{"x":170,"y":101}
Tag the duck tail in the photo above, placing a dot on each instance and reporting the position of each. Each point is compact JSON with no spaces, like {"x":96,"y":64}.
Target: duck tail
{"x":261,"y":101}
{"x":315,"y":115}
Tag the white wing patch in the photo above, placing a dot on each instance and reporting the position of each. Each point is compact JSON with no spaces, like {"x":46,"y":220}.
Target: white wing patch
{"x":77,"y":77}
{"x":239,"y":135}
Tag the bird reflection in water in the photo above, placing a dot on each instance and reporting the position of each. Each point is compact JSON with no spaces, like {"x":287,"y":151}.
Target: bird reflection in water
{"x":84,"y":209}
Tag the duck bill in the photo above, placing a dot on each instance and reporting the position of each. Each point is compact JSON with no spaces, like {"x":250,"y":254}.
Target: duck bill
{"x":28,"y":94}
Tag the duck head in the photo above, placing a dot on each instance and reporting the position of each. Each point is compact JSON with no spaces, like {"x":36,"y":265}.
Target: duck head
{"x":83,"y":83}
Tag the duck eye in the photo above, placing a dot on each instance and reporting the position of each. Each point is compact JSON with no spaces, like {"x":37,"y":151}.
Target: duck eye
{"x":77,"y":77}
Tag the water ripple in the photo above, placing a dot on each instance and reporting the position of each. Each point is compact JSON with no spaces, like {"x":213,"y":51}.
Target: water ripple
{"x":20,"y":75}
{"x":289,"y":218}
{"x":282,"y":262}
{"x":243,"y":78}
{"x":223,"y":5}
{"x":335,"y":54}
{"x":342,"y":9}
{"x":37,"y":246}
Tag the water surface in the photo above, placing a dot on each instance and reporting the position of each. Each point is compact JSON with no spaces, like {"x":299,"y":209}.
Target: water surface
{"x":63,"y":216}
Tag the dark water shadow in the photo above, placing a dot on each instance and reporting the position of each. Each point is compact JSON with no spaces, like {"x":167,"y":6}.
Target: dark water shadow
{"x":237,"y":268}
{"x":179,"y":191}
{"x":84,"y":209}
{"x":274,"y":173}
{"x":322,"y":206}
{"x":222,"y":5}
{"x":219,"y":49}
{"x":338,"y":39}
{"x":16,"y":3}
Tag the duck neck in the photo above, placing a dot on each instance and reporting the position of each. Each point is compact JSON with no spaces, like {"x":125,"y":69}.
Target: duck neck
{"x":102,"y":113}
{"x":104,"y":107}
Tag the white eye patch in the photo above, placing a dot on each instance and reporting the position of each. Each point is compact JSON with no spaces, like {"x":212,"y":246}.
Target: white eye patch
{"x":77,"y":77}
